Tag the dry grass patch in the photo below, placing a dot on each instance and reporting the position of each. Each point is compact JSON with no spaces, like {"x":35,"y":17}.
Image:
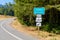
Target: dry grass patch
{"x":32,"y":31}
{"x":2,"y":17}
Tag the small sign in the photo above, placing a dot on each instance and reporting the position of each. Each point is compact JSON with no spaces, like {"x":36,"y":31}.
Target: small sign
{"x":40,"y":11}
{"x":39,"y":16}
{"x":38,"y":24}
{"x":38,"y":19}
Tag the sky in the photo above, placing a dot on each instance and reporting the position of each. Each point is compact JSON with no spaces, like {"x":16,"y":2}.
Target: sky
{"x":3,"y":2}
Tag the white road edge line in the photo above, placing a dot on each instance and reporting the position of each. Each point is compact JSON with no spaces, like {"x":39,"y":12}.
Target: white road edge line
{"x":10,"y":33}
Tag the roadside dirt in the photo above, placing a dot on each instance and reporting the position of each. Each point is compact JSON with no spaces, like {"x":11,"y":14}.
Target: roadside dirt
{"x":2,"y":17}
{"x":31,"y":31}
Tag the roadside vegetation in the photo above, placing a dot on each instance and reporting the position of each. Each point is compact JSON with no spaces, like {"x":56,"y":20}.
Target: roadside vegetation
{"x":51,"y":20}
{"x":7,"y":9}
{"x":23,"y":10}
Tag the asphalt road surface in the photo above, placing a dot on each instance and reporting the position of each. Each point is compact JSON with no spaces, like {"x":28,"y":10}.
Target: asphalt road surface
{"x":9,"y":33}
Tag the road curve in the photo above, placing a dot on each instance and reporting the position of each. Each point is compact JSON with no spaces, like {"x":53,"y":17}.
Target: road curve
{"x":9,"y":33}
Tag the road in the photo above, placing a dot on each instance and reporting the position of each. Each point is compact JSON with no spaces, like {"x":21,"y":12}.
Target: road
{"x":9,"y":33}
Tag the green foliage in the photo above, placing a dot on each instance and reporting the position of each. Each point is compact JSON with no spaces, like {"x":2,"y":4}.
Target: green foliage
{"x":45,"y":27}
{"x":51,"y":28}
{"x":7,"y":9}
{"x":23,"y":9}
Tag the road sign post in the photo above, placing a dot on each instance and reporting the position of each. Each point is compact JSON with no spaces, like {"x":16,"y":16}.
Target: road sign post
{"x":38,"y":22}
{"x":39,"y":12}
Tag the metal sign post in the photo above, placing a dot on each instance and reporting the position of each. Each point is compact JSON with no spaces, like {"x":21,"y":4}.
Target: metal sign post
{"x":38,"y":22}
{"x":39,"y":12}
